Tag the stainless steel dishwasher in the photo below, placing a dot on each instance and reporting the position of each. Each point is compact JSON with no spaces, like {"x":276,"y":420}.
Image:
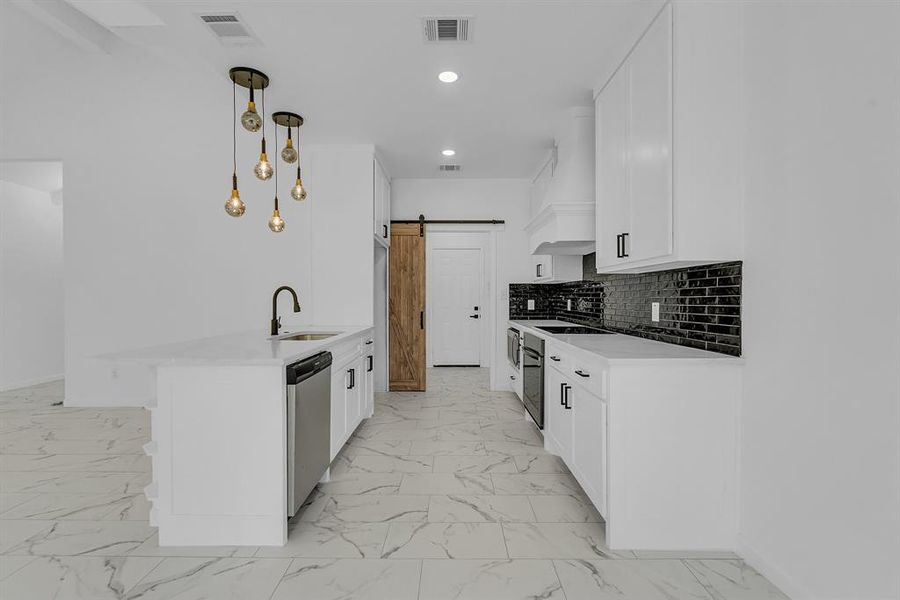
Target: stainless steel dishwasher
{"x":308,"y":426}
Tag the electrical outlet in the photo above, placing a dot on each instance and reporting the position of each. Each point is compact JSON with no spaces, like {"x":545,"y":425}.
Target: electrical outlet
{"x":531,"y":305}
{"x":654,"y":312}
{"x":569,"y":304}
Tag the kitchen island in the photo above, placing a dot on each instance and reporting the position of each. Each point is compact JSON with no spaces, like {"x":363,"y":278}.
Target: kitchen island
{"x":219,"y":430}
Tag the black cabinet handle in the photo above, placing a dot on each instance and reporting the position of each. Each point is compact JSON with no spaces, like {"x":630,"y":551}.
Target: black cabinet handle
{"x":368,"y":342}
{"x":421,"y":319}
{"x":624,"y":241}
{"x":371,"y":363}
{"x":562,"y":394}
{"x":351,"y":382}
{"x":538,"y":270}
{"x":581,"y":373}
{"x":619,"y":246}
{"x":566,"y":397}
{"x":384,"y":235}
{"x":554,"y":358}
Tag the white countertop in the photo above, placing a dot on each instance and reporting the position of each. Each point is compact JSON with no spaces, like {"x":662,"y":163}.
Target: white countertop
{"x":620,"y":348}
{"x":244,"y":348}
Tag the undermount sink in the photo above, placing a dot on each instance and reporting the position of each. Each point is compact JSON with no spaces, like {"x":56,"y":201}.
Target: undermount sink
{"x":306,"y":337}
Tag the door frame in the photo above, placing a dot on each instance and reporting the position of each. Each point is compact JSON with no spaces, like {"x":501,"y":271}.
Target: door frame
{"x":466,"y":236}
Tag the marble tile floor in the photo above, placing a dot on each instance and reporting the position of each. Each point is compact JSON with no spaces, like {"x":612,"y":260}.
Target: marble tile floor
{"x":446,"y":494}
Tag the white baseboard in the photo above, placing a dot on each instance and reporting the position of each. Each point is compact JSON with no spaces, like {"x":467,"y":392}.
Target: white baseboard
{"x":29,"y":382}
{"x":782,"y":580}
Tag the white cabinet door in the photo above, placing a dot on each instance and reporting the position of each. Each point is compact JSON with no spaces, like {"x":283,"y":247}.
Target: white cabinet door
{"x":356,"y":379}
{"x":613,"y":201}
{"x":559,"y":418}
{"x":650,"y":143}
{"x":541,"y":267}
{"x":589,"y":442}
{"x":369,"y":386}
{"x":381,"y":195}
{"x":386,"y":210}
{"x":339,"y":381}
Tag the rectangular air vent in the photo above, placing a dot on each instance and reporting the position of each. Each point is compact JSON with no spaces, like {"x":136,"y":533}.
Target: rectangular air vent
{"x":450,"y":167}
{"x":446,"y":29}
{"x":229,"y":29}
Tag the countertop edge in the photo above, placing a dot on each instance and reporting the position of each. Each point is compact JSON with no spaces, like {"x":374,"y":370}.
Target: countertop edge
{"x":304,"y":350}
{"x":715,"y":359}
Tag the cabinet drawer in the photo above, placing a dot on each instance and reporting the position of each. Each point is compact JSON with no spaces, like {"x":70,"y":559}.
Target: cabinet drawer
{"x":578,"y":368}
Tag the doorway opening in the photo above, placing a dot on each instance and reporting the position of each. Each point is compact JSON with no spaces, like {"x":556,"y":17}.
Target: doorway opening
{"x":31,"y":273}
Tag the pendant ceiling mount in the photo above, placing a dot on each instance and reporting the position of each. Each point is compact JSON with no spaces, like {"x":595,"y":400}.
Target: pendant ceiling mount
{"x":249,"y":77}
{"x":287,"y":119}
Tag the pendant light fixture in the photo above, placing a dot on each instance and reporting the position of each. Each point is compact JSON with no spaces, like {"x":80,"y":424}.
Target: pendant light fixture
{"x":253,"y":121}
{"x":263,"y":168}
{"x":253,"y":80}
{"x":290,"y":120}
{"x":234,"y":206}
{"x":276,"y":223}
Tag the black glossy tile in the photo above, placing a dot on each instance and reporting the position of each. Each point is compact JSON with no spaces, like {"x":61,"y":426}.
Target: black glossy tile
{"x":700,"y":307}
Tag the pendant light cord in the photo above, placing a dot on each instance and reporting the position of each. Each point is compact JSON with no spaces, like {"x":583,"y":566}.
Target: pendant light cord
{"x":276,"y":168}
{"x":234,"y":126}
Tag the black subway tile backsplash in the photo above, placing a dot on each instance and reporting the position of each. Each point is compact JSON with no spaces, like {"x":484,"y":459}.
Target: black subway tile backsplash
{"x":699,"y":307}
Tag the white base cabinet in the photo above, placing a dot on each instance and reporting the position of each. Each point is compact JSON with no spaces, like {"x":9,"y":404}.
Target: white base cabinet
{"x":352,"y":390}
{"x":653,"y":445}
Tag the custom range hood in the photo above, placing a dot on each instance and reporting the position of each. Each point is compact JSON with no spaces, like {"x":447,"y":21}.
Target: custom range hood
{"x":563,"y":197}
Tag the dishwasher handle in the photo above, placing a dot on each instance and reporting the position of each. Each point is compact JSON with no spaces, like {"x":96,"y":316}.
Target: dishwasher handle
{"x":306,"y":368}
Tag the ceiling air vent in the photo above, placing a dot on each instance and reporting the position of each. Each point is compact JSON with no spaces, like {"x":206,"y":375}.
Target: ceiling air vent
{"x":446,"y":29}
{"x":450,"y":167}
{"x":229,"y":29}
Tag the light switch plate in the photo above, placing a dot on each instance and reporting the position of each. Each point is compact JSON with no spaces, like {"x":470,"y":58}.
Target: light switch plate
{"x":654,"y":312}
{"x":531,"y":305}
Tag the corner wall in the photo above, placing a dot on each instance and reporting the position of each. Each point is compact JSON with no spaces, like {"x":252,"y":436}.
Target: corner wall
{"x":820,"y":488}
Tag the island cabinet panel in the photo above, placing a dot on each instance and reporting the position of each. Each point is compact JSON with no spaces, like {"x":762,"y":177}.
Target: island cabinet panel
{"x":220,"y":458}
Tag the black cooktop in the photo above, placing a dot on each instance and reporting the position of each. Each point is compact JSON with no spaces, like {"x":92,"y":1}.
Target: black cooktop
{"x":570,"y":329}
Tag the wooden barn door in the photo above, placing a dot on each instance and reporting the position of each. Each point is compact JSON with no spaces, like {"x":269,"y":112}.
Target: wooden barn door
{"x":407,"y":308}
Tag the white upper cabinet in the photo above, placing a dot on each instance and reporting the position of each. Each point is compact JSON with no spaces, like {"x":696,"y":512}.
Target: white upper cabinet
{"x":667,"y":145}
{"x":381,"y":195}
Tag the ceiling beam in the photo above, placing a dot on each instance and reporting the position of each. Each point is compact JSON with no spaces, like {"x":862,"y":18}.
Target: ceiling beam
{"x":70,"y":23}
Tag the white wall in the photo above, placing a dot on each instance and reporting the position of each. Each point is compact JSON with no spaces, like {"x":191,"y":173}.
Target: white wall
{"x":151,"y":256}
{"x":31,"y":286}
{"x":506,"y":199}
{"x":820,"y":483}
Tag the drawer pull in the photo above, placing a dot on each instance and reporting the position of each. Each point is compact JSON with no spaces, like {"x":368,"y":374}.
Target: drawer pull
{"x":566,"y":397}
{"x":554,"y":358}
{"x":581,"y":373}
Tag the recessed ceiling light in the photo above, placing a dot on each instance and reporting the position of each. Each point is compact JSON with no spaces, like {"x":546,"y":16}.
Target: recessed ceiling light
{"x":448,"y":76}
{"x":448,"y":152}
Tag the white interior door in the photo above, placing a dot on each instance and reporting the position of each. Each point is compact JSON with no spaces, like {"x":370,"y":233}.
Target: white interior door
{"x":456,"y":310}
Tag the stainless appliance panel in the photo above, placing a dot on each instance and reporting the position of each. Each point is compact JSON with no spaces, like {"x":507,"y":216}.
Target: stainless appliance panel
{"x":513,"y":342}
{"x":533,"y":377}
{"x":308,"y":428}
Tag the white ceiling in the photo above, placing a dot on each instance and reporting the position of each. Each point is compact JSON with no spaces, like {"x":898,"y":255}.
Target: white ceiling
{"x":359,"y":71}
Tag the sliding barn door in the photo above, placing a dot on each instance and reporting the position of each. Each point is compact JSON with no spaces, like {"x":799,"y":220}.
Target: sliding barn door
{"x":407,"y":308}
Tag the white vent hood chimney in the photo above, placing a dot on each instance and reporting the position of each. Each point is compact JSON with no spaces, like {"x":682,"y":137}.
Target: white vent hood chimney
{"x":564,"y":223}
